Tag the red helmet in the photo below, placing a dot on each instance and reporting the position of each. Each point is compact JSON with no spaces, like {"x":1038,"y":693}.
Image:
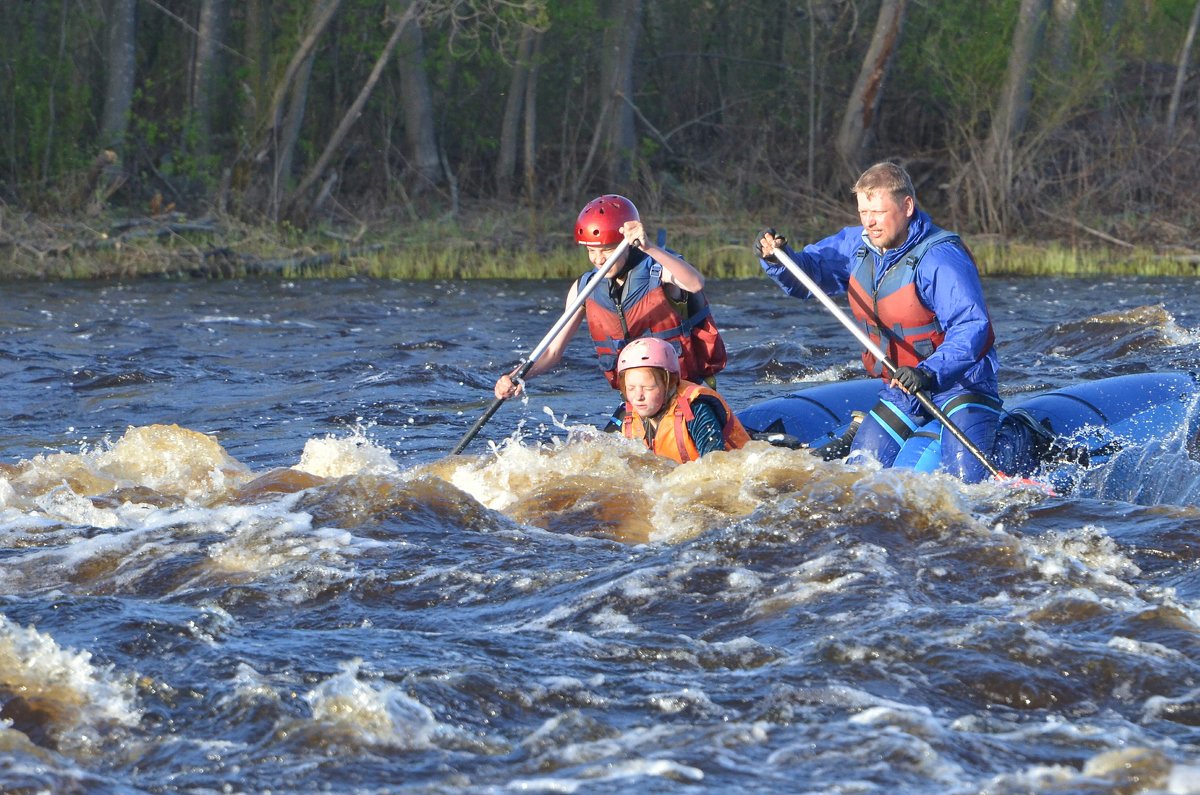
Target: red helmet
{"x":600,"y":222}
{"x":648,"y":352}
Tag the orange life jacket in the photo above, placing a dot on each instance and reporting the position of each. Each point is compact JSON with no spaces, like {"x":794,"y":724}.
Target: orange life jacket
{"x":892,"y":314}
{"x":642,"y":309}
{"x":672,"y":440}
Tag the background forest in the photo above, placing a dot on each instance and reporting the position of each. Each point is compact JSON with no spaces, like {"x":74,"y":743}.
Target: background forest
{"x":1073,"y":120}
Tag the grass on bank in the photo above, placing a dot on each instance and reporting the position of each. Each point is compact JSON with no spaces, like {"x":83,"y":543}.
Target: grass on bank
{"x":724,"y":258}
{"x":484,"y":245}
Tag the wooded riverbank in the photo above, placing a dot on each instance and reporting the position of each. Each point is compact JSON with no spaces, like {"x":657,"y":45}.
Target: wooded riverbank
{"x":483,"y":245}
{"x":415,"y":140}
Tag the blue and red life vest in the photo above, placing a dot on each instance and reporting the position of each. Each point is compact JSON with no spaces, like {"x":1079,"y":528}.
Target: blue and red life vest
{"x":641,"y":308}
{"x":893,"y":314}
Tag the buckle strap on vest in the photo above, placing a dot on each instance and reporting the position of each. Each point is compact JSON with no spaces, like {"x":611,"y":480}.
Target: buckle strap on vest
{"x":682,"y":416}
{"x":691,"y":321}
{"x":894,"y":421}
{"x":615,"y":344}
{"x":971,"y":399}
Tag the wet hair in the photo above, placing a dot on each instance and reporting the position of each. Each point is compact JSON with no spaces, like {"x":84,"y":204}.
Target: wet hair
{"x":888,"y":177}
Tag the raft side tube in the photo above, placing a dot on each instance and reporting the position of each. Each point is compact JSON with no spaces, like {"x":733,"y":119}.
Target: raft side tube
{"x":1085,"y":424}
{"x":1080,"y":425}
{"x":1111,"y":401}
{"x":815,"y":415}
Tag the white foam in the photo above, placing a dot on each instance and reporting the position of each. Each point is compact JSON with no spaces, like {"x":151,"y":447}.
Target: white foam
{"x":268,"y":539}
{"x":335,"y":457}
{"x":33,"y":664}
{"x":689,"y":699}
{"x":515,"y":469}
{"x":609,"y":772}
{"x":381,"y":714}
{"x":812,"y":579}
{"x":911,"y":719}
{"x":1155,"y":705}
{"x":609,"y":621}
{"x":66,"y":506}
{"x":1175,"y":334}
{"x":1184,"y":780}
{"x":377,"y":715}
{"x":837,"y":372}
{"x":1088,"y":553}
{"x":167,"y":459}
{"x":1143,"y":648}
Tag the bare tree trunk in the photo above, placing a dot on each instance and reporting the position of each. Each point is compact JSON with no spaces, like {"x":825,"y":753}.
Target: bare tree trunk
{"x":355,"y":109}
{"x":1185,"y":57}
{"x":50,"y":98}
{"x":581,"y":179}
{"x":1110,"y":21}
{"x":863,"y":103}
{"x":1063,"y":34}
{"x":995,"y":162}
{"x":288,"y":134}
{"x":256,"y":35}
{"x":279,"y":122}
{"x":251,"y":102}
{"x":322,"y":14}
{"x":812,"y":97}
{"x":417,"y":101}
{"x":214,"y":16}
{"x":506,"y":159}
{"x":122,"y":72}
{"x":530,"y":155}
{"x":1013,"y":107}
{"x":620,"y":42}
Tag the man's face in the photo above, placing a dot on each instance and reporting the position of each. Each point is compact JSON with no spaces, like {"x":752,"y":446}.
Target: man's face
{"x":885,"y":219}
{"x":599,"y":254}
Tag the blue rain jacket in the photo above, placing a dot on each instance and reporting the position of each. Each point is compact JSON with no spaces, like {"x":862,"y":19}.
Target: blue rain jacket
{"x":947,"y":282}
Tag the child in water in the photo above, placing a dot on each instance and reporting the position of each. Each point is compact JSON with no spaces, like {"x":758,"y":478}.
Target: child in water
{"x":676,"y":419}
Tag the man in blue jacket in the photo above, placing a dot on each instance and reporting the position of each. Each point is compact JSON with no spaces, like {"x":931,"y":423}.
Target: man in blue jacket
{"x":915,"y":290}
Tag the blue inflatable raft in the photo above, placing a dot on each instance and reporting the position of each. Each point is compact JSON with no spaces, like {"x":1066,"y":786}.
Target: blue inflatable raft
{"x":1041,"y":435}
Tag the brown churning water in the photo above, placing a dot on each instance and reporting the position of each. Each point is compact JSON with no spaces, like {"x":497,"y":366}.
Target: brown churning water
{"x":237,"y":558}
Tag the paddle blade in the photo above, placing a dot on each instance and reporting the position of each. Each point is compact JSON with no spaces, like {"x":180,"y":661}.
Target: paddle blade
{"x":1029,"y":483}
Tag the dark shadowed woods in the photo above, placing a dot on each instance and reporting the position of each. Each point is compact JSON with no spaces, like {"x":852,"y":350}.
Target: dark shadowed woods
{"x":361,"y":120}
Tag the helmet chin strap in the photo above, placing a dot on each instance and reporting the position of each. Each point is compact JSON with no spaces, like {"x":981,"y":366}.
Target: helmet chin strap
{"x":672,"y":390}
{"x":616,"y":282}
{"x":626,"y":267}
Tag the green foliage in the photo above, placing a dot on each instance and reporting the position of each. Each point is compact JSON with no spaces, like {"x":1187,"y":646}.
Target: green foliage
{"x":736,"y":105}
{"x":1152,"y":31}
{"x":955,"y":54}
{"x":46,"y":118}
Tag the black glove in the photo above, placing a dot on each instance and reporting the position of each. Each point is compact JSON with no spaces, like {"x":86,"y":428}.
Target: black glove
{"x":913,"y":379}
{"x":780,"y":242}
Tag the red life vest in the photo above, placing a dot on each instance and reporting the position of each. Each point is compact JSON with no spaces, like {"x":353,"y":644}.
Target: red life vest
{"x":672,"y":440}
{"x":642,"y":309}
{"x":893,"y":315}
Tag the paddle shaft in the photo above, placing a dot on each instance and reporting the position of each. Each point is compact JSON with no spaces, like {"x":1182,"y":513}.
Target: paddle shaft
{"x":525,"y":364}
{"x":877,"y":352}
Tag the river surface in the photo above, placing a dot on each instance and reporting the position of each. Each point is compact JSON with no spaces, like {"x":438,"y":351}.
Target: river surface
{"x":235,"y":556}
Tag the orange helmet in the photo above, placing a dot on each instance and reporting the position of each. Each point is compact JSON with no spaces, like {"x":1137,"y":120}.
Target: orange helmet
{"x":600,"y":222}
{"x":648,"y":352}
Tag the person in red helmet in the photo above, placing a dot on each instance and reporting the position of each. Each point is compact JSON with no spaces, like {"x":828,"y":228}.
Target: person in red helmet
{"x":675,"y":418}
{"x":648,"y":290}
